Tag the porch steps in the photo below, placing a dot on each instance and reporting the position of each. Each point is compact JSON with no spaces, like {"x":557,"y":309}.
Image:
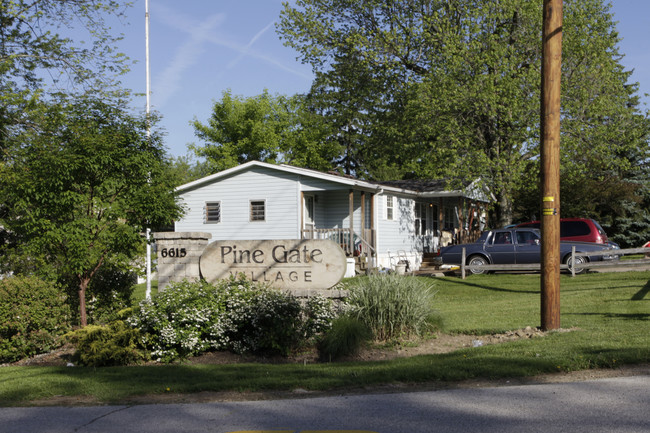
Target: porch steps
{"x":427,"y":260}
{"x":361,"y":265}
{"x":428,"y":267}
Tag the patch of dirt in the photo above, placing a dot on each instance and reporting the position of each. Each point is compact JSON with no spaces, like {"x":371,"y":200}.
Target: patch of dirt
{"x":442,"y":343}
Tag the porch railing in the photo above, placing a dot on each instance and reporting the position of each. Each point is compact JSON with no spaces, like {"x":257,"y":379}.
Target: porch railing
{"x":360,"y":245}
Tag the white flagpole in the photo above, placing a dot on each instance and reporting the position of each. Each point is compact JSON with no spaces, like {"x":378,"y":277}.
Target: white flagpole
{"x":148,"y":72}
{"x":148,"y":109}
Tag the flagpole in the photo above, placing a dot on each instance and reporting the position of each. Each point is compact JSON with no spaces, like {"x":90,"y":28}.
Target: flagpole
{"x":148,"y":109}
{"x":147,"y":70}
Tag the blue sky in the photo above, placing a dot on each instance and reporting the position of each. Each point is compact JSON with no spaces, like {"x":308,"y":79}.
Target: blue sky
{"x":201,"y":48}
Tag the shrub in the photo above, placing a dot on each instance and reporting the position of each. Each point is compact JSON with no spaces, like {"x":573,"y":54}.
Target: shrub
{"x":102,"y":346}
{"x":318,"y":314}
{"x":393,"y":306}
{"x":190,"y":318}
{"x":33,"y":314}
{"x":269,"y":324}
{"x":344,"y":338}
{"x":186,"y":318}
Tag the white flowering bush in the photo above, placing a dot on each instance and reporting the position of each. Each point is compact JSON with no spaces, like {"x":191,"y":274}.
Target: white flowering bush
{"x":318,"y":314}
{"x":190,"y":318}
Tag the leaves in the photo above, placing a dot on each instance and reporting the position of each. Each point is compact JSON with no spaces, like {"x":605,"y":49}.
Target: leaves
{"x":82,"y":185}
{"x":427,"y":89}
{"x":266,"y":128}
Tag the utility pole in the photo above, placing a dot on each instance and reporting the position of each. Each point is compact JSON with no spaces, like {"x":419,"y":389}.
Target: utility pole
{"x":550,"y":159}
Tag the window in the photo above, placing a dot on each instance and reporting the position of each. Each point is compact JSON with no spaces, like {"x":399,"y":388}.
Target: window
{"x":502,"y":238}
{"x":390,"y":207}
{"x":449,"y":219}
{"x":421,"y":210}
{"x":213,"y":212}
{"x":574,"y":228}
{"x":527,"y":238}
{"x":258,"y":210}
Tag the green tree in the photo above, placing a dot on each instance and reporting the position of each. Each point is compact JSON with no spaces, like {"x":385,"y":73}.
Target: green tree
{"x":38,"y":55}
{"x":457,"y":86}
{"x":82,"y":184}
{"x":184,"y":169}
{"x":33,"y":47}
{"x":275,"y":129}
{"x":346,"y":102}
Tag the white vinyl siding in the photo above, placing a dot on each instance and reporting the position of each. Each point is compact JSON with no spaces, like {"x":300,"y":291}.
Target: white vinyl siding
{"x":398,"y":234}
{"x":280,"y":192}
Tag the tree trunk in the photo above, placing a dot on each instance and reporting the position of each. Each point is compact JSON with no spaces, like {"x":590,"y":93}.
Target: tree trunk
{"x":503,"y":211}
{"x":83,"y":285}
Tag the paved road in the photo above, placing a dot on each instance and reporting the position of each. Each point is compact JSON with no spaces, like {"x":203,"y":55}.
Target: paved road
{"x":604,"y":405}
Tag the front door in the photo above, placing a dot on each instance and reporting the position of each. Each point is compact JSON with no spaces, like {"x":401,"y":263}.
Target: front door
{"x":308,"y":212}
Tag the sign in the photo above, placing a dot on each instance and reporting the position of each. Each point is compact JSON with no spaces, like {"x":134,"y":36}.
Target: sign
{"x":285,"y":264}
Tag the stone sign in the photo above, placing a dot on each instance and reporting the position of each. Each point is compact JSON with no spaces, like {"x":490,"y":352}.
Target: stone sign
{"x":285,"y":264}
{"x":178,"y":256}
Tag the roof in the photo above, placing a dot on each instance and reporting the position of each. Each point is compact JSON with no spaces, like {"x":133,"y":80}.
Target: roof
{"x":353,"y":182}
{"x":422,"y":185}
{"x":421,"y":188}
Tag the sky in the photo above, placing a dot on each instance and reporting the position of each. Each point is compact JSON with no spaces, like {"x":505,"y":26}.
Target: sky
{"x":199,"y":49}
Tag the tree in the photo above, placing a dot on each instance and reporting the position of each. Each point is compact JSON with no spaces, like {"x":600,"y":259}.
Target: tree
{"x":346,"y":102}
{"x":185,"y":169}
{"x":38,"y":58}
{"x":457,"y":84}
{"x":82,"y":184}
{"x":32,"y":47}
{"x":265,"y":128}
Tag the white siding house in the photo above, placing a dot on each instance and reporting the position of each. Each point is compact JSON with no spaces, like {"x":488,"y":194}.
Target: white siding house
{"x":260,"y":201}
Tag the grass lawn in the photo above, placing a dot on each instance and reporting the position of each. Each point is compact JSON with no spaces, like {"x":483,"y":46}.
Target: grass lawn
{"x":608,"y":315}
{"x":139,"y":293}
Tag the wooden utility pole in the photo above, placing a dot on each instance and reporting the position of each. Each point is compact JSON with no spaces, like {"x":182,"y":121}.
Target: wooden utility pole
{"x":550,"y":156}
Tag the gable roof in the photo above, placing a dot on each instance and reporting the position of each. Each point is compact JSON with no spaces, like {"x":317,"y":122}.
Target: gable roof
{"x":278,"y":167}
{"x":417,"y":188}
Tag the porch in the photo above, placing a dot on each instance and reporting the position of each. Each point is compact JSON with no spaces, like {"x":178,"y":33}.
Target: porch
{"x":345,"y":217}
{"x":439,"y":222}
{"x":353,"y":244}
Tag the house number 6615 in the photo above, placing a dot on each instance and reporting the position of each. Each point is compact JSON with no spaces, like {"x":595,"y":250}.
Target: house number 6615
{"x":173,"y":252}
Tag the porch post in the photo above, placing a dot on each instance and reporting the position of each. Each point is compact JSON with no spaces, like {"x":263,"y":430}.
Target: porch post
{"x":363,"y":214}
{"x":373,"y":232}
{"x":461,"y":218}
{"x":351,"y":210}
{"x":302,"y":215}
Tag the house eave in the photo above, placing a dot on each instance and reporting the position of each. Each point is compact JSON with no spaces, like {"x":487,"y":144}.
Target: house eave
{"x":353,"y":183}
{"x":373,"y":187}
